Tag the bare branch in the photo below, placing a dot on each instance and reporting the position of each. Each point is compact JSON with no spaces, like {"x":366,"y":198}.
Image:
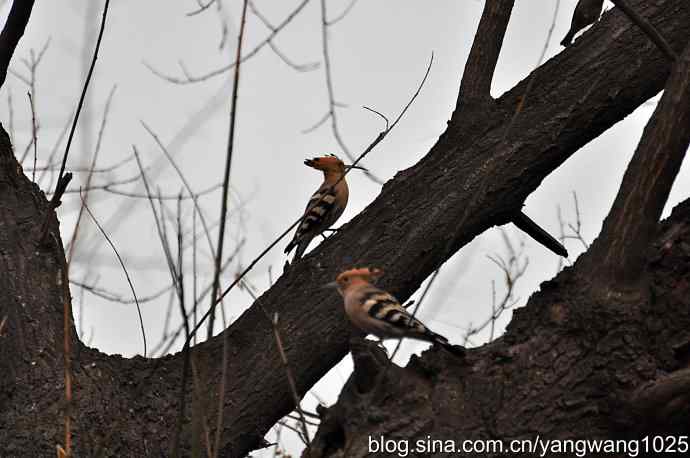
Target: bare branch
{"x":55,"y":201}
{"x":110,"y":296}
{"x":89,"y":177}
{"x":226,"y":176}
{"x":617,"y":256}
{"x":124,"y":269}
{"x":202,"y":7}
{"x":332,"y":112}
{"x":342,"y":15}
{"x":297,"y":67}
{"x":33,"y":133}
{"x":65,"y":178}
{"x":475,"y":86}
{"x":188,"y":79}
{"x":12,"y":33}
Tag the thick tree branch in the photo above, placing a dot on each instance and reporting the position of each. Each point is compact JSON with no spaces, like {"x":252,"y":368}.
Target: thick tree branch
{"x":12,"y":33}
{"x":617,"y":257}
{"x":476,"y":81}
{"x":647,"y":28}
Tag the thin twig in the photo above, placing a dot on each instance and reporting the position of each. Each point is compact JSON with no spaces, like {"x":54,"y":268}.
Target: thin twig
{"x":332,"y":112}
{"x":291,"y":379}
{"x":185,"y":183}
{"x":33,"y":132}
{"x":342,"y":15}
{"x":109,"y":187}
{"x":288,"y":371}
{"x":32,"y":65}
{"x":67,"y":320}
{"x":513,"y":269}
{"x":89,"y":177}
{"x":64,"y":178}
{"x":202,"y":8}
{"x":10,"y":109}
{"x":53,"y":152}
{"x":124,"y":268}
{"x":57,"y":197}
{"x":189,"y":79}
{"x":226,"y":179}
{"x":297,"y":67}
{"x":112,"y":297}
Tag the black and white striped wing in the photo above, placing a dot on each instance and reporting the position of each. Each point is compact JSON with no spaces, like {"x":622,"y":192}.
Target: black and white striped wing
{"x":319,"y":212}
{"x":387,"y":311}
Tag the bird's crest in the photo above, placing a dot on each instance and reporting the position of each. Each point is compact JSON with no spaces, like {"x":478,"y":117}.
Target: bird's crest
{"x":327,"y":162}
{"x":365,"y":273}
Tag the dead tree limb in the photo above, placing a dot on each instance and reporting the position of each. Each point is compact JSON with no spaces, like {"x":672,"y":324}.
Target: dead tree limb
{"x":619,"y":253}
{"x":480,"y":66}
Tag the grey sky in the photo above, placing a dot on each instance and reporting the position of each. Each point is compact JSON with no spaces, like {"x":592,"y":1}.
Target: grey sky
{"x":379,"y":54}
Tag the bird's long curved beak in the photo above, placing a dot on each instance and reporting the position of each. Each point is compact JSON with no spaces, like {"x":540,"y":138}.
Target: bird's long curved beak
{"x":356,"y":167}
{"x":333,"y":284}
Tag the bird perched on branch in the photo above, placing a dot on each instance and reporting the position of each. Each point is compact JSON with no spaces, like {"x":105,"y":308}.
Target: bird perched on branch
{"x":377,"y":312}
{"x":586,"y":13}
{"x":325,"y":205}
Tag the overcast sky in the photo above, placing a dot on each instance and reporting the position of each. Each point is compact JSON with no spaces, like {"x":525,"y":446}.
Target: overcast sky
{"x":379,"y":53}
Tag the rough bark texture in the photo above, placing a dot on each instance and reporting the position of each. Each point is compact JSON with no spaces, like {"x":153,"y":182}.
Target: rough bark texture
{"x":568,"y":366}
{"x":473,"y":178}
{"x":583,"y":358}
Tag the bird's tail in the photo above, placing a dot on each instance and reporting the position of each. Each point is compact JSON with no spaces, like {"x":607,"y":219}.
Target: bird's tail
{"x":442,"y":342}
{"x":568,"y":39}
{"x":301,"y":246}
{"x":290,"y":246}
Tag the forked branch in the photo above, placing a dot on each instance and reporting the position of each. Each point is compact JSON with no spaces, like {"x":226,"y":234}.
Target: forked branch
{"x":481,"y":63}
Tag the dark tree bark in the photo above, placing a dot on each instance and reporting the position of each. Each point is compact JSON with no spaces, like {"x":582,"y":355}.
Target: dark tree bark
{"x":583,"y":358}
{"x":571,"y":365}
{"x":476,"y":176}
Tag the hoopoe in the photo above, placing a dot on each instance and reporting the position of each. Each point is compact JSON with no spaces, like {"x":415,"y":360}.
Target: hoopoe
{"x":586,"y":13}
{"x":326,"y":205}
{"x":377,"y":312}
